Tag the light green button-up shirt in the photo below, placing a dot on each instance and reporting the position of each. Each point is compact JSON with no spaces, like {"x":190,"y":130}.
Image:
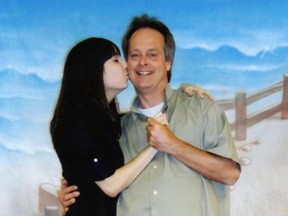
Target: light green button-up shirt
{"x":167,"y":187}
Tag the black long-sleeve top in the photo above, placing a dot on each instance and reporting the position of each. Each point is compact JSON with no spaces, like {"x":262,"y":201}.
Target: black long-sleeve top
{"x":86,"y":142}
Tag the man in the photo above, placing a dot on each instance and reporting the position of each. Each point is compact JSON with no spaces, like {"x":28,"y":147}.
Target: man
{"x":197,"y":158}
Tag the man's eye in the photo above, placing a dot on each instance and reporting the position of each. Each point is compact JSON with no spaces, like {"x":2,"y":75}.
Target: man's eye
{"x":134,"y":55}
{"x":152,"y":55}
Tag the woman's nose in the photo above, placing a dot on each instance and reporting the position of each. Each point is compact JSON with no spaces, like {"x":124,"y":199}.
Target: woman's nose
{"x":124,"y":63}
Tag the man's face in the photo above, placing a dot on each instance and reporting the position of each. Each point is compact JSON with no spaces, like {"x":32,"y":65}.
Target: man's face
{"x":147,"y":65}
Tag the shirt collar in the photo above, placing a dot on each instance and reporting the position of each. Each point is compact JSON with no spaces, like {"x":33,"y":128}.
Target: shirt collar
{"x":134,"y":108}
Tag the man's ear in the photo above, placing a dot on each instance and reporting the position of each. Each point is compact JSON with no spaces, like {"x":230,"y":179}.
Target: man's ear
{"x":168,"y":65}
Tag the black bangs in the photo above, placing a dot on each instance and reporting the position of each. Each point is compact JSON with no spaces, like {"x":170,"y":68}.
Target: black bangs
{"x":108,"y":49}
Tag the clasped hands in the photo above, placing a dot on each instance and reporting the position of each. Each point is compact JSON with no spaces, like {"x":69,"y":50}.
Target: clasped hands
{"x":159,"y":136}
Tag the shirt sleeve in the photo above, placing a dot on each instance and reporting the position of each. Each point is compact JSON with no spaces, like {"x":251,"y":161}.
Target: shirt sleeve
{"x":217,"y":136}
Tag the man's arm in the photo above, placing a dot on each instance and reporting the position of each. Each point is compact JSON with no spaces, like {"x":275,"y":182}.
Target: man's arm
{"x":67,"y":194}
{"x":214,"y":167}
{"x":191,"y":90}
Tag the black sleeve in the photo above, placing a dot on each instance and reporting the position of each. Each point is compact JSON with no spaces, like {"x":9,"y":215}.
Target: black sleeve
{"x":83,"y":153}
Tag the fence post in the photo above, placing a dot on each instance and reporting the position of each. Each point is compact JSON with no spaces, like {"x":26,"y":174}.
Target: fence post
{"x":284,"y":104}
{"x":51,"y":211}
{"x":240,"y":116}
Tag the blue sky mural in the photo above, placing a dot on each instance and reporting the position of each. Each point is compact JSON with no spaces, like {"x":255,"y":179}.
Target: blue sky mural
{"x":222,"y":45}
{"x":35,"y":35}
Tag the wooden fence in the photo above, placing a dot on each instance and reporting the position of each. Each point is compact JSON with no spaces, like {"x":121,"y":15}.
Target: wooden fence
{"x":241,"y":102}
{"x":48,"y":201}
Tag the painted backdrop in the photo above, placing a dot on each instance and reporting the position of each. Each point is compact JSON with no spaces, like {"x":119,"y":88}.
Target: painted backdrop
{"x":225,"y":46}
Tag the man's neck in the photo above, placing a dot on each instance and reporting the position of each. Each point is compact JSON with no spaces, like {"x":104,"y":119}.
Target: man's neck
{"x":150,"y":112}
{"x":151,"y":99}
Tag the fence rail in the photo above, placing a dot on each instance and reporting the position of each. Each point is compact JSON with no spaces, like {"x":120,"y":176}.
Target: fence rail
{"x":241,"y":102}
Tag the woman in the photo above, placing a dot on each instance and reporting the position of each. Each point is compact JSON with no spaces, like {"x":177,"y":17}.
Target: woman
{"x":85,"y":127}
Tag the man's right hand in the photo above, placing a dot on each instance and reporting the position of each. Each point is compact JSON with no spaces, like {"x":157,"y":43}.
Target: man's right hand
{"x":67,"y":194}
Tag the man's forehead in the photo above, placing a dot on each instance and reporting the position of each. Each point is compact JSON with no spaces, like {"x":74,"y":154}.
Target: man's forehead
{"x":146,"y":40}
{"x":146,"y":45}
{"x":146,"y":35}
{"x":155,"y":49}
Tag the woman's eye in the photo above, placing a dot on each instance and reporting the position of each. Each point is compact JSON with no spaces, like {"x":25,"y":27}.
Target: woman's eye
{"x":115,"y":59}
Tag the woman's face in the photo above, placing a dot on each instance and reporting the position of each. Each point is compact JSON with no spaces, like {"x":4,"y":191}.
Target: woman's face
{"x":115,"y":76}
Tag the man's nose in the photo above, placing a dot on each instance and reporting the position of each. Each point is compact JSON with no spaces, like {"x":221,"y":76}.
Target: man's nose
{"x":142,"y":60}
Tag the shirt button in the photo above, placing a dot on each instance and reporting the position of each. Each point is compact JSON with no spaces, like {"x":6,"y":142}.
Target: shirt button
{"x":155,"y":192}
{"x":155,"y":166}
{"x":95,"y":160}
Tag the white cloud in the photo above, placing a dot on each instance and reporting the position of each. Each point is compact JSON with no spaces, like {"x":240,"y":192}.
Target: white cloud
{"x":248,"y":67}
{"x":48,"y":65}
{"x":248,"y":42}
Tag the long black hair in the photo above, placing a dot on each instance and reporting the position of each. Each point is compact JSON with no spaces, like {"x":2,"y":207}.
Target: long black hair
{"x":82,"y":82}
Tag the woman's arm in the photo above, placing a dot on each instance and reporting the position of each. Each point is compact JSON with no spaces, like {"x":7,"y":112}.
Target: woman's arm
{"x":125,"y":175}
{"x":113,"y":185}
{"x":121,"y":178}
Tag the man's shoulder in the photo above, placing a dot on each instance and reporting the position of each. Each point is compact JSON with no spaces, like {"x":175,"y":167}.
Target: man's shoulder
{"x":179,"y":93}
{"x":194,"y":100}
